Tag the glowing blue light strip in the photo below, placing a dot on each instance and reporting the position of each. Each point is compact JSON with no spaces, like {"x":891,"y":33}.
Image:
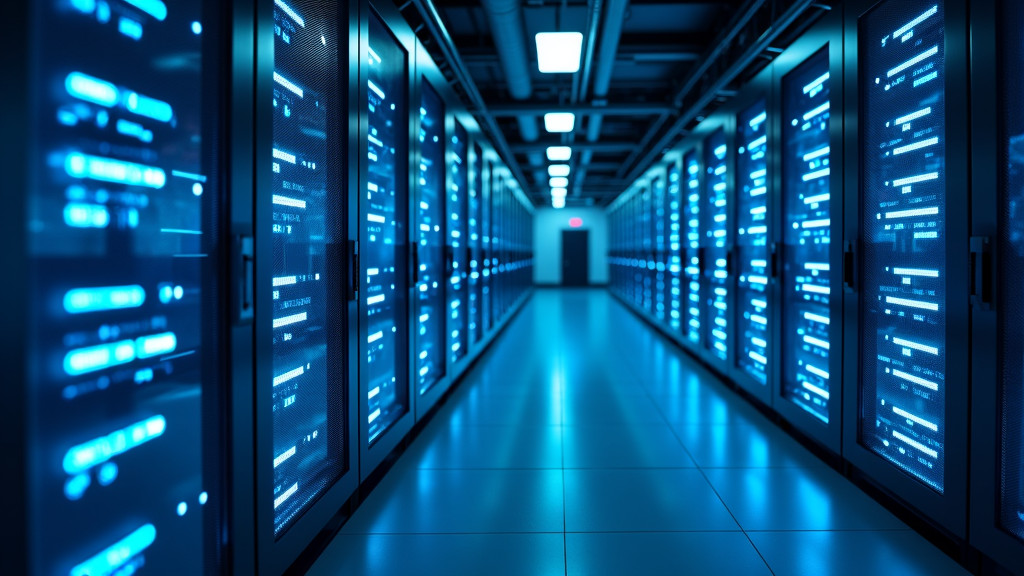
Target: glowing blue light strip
{"x":817,"y":390}
{"x":156,"y":344}
{"x":814,"y":223}
{"x":912,"y":303}
{"x":375,"y":89}
{"x":931,"y":211}
{"x":373,"y":416}
{"x":818,"y":199}
{"x":759,"y":358}
{"x":108,"y":561}
{"x":286,"y":495}
{"x":914,"y":418}
{"x":817,"y":174}
{"x":99,"y":450}
{"x":281,"y":458}
{"x":910,"y":25}
{"x":78,"y":165}
{"x":288,"y":85}
{"x":815,"y":289}
{"x":816,"y":82}
{"x":913,"y":116}
{"x":916,"y":346}
{"x":291,"y":13}
{"x":819,"y":110}
{"x":286,"y":201}
{"x":915,"y":146}
{"x":908,"y":440}
{"x":816,"y":342}
{"x":375,"y":299}
{"x":376,"y":218}
{"x":282,"y":155}
{"x":757,"y":143}
{"x":916,"y":380}
{"x":916,"y":59}
{"x":93,"y":358}
{"x":817,"y":372}
{"x":149,"y":107}
{"x":289,"y":375}
{"x":154,"y":8}
{"x":916,"y":272}
{"x":758,"y":120}
{"x":287,"y":320}
{"x":817,"y":318}
{"x":374,"y":337}
{"x":82,"y":300}
{"x":284,"y":281}
{"x":91,"y":89}
{"x":817,"y":153}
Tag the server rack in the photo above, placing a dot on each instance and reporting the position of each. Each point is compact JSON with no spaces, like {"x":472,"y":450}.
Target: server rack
{"x":114,"y":236}
{"x":906,"y":343}
{"x":808,"y":390}
{"x":305,"y":431}
{"x":486,"y":249}
{"x":659,"y":234}
{"x":693,"y":254}
{"x":997,"y":481}
{"x":674,"y":293}
{"x":716,"y":244}
{"x":429,"y":235}
{"x":385,"y":395}
{"x":459,"y":242}
{"x":752,"y":233}
{"x":476,"y":300}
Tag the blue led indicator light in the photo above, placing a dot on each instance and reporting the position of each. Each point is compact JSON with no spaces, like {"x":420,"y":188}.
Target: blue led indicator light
{"x":78,"y":165}
{"x":91,"y":89}
{"x":182,"y":508}
{"x":197,"y":28}
{"x":82,"y":300}
{"x":90,"y":359}
{"x":75,"y":487}
{"x":108,"y":561}
{"x":107,"y":474}
{"x":100,"y":450}
{"x":86,"y":216}
{"x":149,"y":107}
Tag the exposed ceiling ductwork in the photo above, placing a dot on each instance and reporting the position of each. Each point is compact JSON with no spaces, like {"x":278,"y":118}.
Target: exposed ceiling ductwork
{"x":506,"y":21}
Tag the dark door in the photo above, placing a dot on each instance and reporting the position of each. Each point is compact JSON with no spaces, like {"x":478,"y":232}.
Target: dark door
{"x":574,"y":257}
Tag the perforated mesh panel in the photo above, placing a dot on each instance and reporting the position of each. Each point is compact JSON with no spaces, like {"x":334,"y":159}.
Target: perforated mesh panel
{"x":308,"y":364}
{"x":1011,"y":250}
{"x":903,"y":188}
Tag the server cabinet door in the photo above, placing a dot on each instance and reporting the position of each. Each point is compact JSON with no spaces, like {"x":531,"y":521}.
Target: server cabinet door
{"x":997,"y":254}
{"x":122,"y":253}
{"x":476,"y":285}
{"x":429,"y":267}
{"x":809,"y":393}
{"x":674,"y":259}
{"x":752,"y":298}
{"x":715,"y":245}
{"x":458,"y":240}
{"x":383,"y":248}
{"x":907,"y":425}
{"x":647,"y":247}
{"x":659,"y":233}
{"x":487,"y":248}
{"x":305,"y":467}
{"x":693,"y":260}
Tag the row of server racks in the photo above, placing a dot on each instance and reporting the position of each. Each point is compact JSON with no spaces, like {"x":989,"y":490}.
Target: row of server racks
{"x":844,"y":242}
{"x":247,"y":247}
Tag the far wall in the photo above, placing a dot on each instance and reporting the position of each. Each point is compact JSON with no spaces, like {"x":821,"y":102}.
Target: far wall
{"x":548,"y":224}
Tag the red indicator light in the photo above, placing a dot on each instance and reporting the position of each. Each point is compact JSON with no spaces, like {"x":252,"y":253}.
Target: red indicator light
{"x":575,"y":222}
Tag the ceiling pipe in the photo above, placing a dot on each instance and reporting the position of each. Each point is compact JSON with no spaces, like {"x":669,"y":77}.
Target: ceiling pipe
{"x":506,"y":21}
{"x":615,"y":13}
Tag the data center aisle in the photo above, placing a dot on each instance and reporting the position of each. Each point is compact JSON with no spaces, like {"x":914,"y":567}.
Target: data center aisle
{"x":584,"y":443}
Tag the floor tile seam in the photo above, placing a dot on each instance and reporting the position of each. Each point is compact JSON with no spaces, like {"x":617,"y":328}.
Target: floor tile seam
{"x":565,"y":523}
{"x":759,"y":531}
{"x":713,"y":489}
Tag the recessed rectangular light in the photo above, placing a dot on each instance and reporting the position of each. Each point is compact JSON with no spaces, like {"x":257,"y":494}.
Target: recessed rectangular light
{"x":558,"y":192}
{"x":558,"y":170}
{"x":559,"y":52}
{"x":559,"y":121}
{"x":558,"y":202}
{"x":559,"y":153}
{"x":559,"y":182}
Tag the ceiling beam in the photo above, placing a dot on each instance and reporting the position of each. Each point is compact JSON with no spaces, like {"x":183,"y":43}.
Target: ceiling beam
{"x":583,"y":109}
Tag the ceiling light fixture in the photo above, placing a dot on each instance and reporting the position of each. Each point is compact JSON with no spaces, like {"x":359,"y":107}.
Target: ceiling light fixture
{"x":559,"y":52}
{"x":558,"y":170}
{"x":559,"y":121}
{"x":558,"y":202}
{"x":559,"y":192}
{"x":559,"y":182}
{"x":559,"y":153}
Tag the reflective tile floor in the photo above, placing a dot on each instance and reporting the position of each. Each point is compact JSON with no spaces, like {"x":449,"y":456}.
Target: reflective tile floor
{"x":585,"y":443}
